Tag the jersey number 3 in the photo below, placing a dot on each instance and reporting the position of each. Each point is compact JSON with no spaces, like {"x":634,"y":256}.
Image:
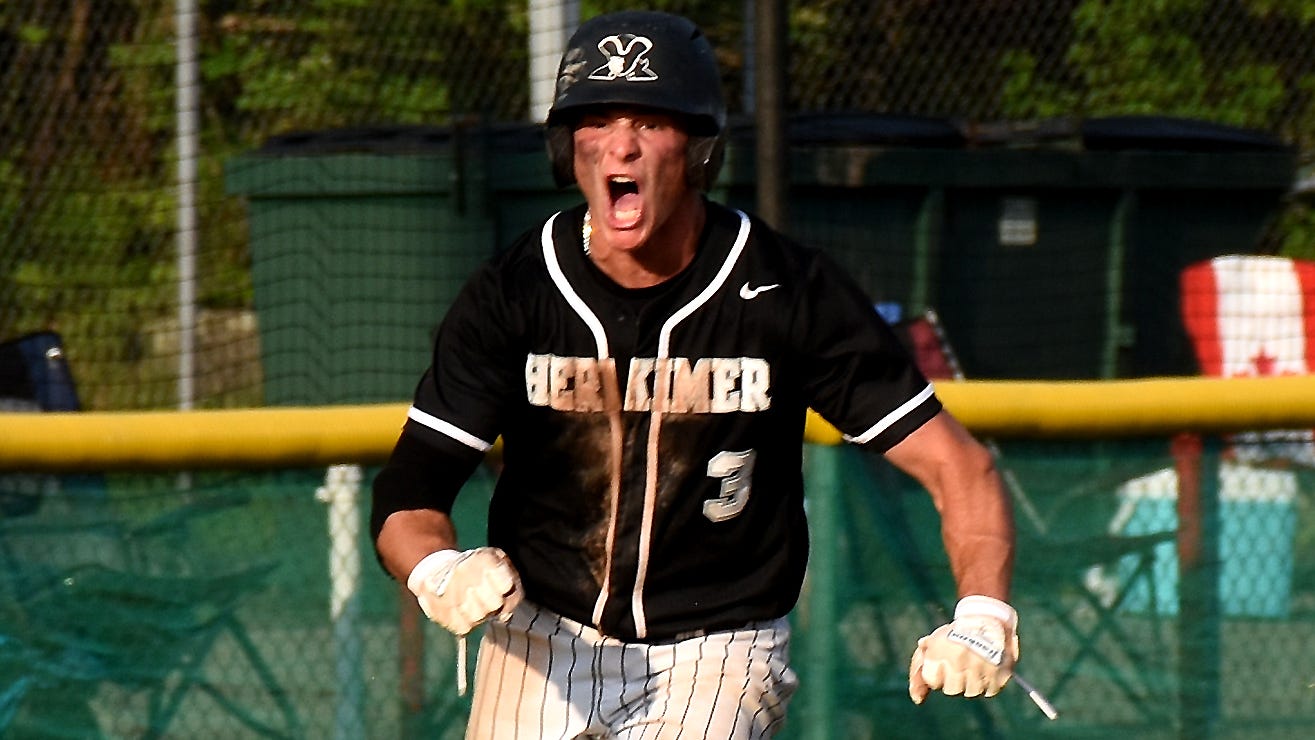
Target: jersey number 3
{"x":735,"y":469}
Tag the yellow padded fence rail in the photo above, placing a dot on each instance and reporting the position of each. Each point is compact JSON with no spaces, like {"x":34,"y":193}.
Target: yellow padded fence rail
{"x":315,"y":436}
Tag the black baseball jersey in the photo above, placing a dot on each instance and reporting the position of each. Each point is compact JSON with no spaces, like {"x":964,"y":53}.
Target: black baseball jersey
{"x":652,"y":481}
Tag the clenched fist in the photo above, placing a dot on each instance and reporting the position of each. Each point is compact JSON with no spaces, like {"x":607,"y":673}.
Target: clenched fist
{"x":974,"y":655}
{"x":462,"y":590}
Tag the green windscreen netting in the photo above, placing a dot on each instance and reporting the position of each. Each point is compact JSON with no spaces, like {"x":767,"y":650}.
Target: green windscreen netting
{"x":1153,"y":603}
{"x":1144,"y":613}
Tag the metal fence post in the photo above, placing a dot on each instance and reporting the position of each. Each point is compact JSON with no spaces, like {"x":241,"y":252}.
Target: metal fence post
{"x":1197,"y":461}
{"x":341,"y":492}
{"x":817,"y":688}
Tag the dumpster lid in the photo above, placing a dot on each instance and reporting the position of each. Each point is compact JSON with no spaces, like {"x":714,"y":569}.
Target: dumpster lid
{"x":861,"y":129}
{"x":404,"y":139}
{"x":881,"y":129}
{"x":1166,"y":133}
{"x":865,"y":128}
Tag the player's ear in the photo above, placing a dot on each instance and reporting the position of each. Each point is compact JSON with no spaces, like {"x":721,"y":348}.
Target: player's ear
{"x":560,"y":140}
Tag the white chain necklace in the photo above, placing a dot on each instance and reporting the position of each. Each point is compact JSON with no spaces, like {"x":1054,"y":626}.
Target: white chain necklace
{"x":586,"y":233}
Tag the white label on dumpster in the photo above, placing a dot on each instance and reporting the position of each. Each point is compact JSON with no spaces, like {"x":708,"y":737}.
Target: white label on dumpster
{"x":1018,"y":222}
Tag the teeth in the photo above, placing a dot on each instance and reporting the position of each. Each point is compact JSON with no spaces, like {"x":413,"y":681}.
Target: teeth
{"x":621,"y":178}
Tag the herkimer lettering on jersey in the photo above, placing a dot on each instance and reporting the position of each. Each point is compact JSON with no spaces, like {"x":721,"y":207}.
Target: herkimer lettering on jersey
{"x":709,"y":385}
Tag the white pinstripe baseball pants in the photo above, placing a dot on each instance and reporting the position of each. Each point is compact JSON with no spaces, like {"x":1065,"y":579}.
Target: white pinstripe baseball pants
{"x":542,"y":676}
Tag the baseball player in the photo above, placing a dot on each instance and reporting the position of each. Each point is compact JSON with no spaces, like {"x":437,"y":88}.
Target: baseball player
{"x":648,"y":358}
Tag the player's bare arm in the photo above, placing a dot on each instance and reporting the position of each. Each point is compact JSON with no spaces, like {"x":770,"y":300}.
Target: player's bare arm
{"x":416,"y":540}
{"x":976,"y":519}
{"x":408,"y":536}
{"x":973,"y":655}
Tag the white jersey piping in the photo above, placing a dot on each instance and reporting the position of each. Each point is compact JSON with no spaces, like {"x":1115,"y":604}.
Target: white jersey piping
{"x":564,"y":286}
{"x":661,"y":379}
{"x":448,"y":430}
{"x":582,"y":309}
{"x":662,"y":371}
{"x":889,"y":419}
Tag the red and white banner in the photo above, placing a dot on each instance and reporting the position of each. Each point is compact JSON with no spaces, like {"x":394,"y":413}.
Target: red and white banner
{"x":1251,"y":315}
{"x":1254,"y":316}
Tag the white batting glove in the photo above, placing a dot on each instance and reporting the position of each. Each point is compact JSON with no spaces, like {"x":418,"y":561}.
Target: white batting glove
{"x":462,"y":590}
{"x":974,"y":655}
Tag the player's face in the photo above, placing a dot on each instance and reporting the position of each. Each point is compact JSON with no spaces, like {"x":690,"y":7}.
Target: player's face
{"x":630,"y":165}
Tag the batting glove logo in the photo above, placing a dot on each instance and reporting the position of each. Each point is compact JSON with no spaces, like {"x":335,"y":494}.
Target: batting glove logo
{"x":980,"y":639}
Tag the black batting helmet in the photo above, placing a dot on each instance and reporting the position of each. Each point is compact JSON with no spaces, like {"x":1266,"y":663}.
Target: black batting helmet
{"x":642,"y":58}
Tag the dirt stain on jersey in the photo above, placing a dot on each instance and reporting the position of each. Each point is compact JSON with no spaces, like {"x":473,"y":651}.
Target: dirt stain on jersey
{"x":676,"y":456}
{"x":594,"y":440}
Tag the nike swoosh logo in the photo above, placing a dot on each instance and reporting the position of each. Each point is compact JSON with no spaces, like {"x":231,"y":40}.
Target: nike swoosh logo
{"x":749,"y":294}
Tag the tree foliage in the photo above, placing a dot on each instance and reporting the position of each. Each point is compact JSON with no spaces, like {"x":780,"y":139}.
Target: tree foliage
{"x":1247,"y":64}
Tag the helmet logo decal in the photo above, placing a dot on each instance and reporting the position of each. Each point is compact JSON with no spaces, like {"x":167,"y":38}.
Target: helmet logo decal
{"x":627,"y":58}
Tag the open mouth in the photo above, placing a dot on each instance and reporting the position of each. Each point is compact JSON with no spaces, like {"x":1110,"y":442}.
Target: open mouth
{"x":624,"y":192}
{"x":620,"y":186}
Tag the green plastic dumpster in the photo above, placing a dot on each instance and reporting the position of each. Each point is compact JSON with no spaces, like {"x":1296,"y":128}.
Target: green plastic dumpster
{"x":361,"y":239}
{"x":1050,"y":250}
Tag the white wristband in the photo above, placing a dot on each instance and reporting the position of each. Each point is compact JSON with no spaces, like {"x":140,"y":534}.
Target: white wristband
{"x":985,"y":606}
{"x":429,"y":565}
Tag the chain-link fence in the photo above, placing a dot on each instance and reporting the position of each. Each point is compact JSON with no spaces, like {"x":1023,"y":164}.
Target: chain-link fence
{"x":144,"y":264}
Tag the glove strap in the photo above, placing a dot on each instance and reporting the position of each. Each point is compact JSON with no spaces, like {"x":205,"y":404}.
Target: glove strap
{"x":985,"y":606}
{"x":428,"y":566}
{"x":461,"y":665}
